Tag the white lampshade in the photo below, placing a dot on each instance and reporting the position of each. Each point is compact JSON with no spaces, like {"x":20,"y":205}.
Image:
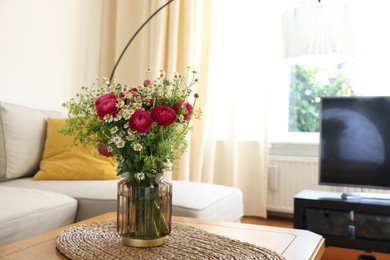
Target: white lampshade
{"x":318,"y":28}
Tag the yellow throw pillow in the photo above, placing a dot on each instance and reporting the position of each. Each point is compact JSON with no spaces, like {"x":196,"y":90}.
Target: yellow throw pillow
{"x":78,"y":163}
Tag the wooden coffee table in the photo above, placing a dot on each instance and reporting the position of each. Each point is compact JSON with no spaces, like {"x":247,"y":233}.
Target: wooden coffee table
{"x":291,"y":243}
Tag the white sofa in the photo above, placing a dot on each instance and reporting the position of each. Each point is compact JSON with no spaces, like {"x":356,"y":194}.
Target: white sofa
{"x":29,"y":207}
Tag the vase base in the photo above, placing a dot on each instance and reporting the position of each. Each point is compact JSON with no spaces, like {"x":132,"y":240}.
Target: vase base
{"x":133,"y":242}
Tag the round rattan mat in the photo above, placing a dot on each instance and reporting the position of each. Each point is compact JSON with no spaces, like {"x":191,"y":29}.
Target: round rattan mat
{"x":99,"y":240}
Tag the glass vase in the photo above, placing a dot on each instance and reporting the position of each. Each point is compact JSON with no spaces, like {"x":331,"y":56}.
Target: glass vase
{"x":144,"y":212}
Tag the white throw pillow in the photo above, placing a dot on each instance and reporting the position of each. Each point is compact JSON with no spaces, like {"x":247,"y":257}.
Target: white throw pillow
{"x":22,"y":137}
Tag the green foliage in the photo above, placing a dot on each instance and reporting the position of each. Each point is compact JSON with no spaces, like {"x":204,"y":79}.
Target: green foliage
{"x":307,"y":86}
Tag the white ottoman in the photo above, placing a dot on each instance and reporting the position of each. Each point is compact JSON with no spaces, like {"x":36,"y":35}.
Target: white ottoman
{"x":207,"y":201}
{"x":28,"y":212}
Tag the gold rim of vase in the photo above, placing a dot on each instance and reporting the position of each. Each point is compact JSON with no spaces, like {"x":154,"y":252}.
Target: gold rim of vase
{"x":133,"y":242}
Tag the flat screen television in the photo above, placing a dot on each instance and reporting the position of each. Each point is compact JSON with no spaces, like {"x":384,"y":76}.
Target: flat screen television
{"x":355,"y":142}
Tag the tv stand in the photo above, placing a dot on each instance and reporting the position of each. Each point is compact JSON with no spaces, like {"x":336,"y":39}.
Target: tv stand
{"x":358,"y":220}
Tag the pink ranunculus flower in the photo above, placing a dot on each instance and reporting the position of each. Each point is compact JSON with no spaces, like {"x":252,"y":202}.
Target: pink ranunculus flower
{"x":163,"y":115}
{"x":147,"y":82}
{"x":106,"y":105}
{"x":140,"y":121}
{"x":103,"y":150}
{"x":133,"y":90}
{"x":178,"y":106}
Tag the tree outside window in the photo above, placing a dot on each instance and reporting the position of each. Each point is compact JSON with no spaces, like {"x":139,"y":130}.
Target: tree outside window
{"x":307,"y":85}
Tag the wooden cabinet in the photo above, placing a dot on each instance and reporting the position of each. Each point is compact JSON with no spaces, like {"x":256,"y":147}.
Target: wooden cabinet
{"x":360,"y":221}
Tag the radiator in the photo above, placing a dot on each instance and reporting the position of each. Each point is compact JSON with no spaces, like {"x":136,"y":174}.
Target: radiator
{"x":289,"y":175}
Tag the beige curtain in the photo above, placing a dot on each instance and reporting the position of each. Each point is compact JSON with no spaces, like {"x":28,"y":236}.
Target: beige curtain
{"x":170,"y":41}
{"x":229,"y":144}
{"x":177,"y":37}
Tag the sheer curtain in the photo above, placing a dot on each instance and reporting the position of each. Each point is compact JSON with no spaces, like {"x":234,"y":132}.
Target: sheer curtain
{"x":244,"y":70}
{"x":318,"y":28}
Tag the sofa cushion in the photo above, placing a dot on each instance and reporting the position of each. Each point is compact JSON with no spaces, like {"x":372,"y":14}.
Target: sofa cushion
{"x":94,"y":197}
{"x":22,"y":136}
{"x":78,"y":163}
{"x":28,"y":212}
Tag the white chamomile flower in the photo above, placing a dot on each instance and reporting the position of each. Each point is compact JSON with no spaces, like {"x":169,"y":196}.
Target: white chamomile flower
{"x":129,"y":95}
{"x":120,"y":144}
{"x":130,"y":137}
{"x":127,"y":113}
{"x":120,"y":103}
{"x":137,"y":147}
{"x":140,"y":176}
{"x":108,"y":118}
{"x":113,"y":130}
{"x":157,"y":88}
{"x":116,"y":139}
{"x":149,"y":91}
{"x":162,"y":74}
{"x":181,"y":118}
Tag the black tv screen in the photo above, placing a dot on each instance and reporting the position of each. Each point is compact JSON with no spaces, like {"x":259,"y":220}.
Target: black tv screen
{"x":355,"y":141}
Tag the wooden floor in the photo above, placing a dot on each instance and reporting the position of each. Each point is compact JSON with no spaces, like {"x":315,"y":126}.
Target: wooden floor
{"x":331,"y":253}
{"x":271,"y":221}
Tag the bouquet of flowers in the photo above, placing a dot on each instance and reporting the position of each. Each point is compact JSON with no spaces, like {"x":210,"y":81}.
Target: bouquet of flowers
{"x":143,"y":128}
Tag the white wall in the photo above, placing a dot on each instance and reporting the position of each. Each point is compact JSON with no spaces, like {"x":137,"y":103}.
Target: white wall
{"x":48,"y":50}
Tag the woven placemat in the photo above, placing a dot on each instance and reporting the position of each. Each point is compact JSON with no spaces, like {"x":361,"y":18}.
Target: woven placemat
{"x":99,"y":240}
